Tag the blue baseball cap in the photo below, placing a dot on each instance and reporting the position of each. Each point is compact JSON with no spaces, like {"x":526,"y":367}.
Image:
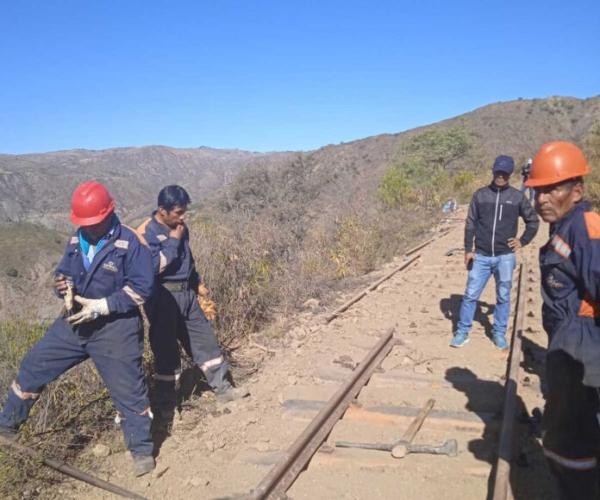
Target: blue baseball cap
{"x":504,"y":164}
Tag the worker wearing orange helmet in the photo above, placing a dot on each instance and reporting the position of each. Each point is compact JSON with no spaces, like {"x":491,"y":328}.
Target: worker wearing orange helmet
{"x":570,"y":269}
{"x":105,"y":275}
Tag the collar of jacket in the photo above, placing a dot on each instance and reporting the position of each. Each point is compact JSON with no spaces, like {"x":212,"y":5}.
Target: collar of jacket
{"x":495,"y":188}
{"x":163,"y":227}
{"x":582,"y":206}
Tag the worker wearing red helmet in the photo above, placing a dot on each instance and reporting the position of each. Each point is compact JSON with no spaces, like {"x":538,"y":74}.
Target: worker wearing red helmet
{"x":106,"y":274}
{"x":570,"y":269}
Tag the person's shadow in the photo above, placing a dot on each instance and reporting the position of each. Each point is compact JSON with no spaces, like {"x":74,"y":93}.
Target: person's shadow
{"x":529,"y":476}
{"x":450,"y":308}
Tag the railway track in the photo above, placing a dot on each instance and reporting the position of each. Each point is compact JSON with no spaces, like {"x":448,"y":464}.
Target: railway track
{"x":378,"y":400}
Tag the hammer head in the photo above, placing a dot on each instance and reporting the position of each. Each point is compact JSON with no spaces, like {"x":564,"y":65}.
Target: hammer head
{"x":401,"y":449}
{"x":450,"y":448}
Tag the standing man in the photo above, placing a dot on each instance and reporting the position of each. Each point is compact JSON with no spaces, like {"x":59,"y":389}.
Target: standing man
{"x":525,"y":172}
{"x":570,"y":269}
{"x":175,"y":311}
{"x":110,"y":272}
{"x":492,"y":221}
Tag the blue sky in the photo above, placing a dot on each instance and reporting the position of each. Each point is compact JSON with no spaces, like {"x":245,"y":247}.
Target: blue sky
{"x":276,"y":75}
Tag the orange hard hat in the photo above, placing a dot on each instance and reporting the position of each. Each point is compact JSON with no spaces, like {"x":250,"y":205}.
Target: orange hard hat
{"x":555,"y":162}
{"x":91,"y":203}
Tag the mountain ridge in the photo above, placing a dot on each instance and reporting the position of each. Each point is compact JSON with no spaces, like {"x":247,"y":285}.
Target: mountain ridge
{"x":36,"y":187}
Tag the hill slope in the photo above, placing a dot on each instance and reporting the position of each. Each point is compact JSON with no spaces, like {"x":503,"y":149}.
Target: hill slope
{"x":38,"y":187}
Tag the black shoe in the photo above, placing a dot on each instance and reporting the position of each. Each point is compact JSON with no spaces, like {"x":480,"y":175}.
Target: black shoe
{"x":143,"y":464}
{"x":232,"y":394}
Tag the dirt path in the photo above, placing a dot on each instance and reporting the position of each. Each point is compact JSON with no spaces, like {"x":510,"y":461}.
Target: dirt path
{"x":223,"y":451}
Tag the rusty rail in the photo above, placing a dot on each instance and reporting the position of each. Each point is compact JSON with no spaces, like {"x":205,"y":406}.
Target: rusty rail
{"x":502,"y":490}
{"x":70,"y":470}
{"x":284,"y":473}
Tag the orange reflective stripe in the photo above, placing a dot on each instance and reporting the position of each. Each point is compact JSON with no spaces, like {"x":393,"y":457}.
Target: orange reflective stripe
{"x":139,"y":232}
{"x":589,"y":308}
{"x":16,"y":388}
{"x":211,"y":363}
{"x":142,"y":227}
{"x":592,"y":224}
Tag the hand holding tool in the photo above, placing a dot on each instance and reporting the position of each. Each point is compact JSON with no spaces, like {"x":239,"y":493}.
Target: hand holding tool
{"x":92,"y":309}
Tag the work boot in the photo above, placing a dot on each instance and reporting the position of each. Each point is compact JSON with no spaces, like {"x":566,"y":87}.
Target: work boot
{"x":459,"y":339}
{"x":8,"y":433}
{"x":143,"y":464}
{"x":500,"y":342}
{"x":231,"y":393}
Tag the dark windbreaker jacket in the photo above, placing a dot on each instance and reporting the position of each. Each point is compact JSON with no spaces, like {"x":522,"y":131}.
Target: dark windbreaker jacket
{"x":493,"y":219}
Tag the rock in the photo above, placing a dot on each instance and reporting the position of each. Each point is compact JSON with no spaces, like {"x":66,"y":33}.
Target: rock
{"x":198,"y":482}
{"x":292,"y":380}
{"x":406,"y":361}
{"x":420,"y":369}
{"x":262,"y":446}
{"x":101,"y":451}
{"x":312,"y":304}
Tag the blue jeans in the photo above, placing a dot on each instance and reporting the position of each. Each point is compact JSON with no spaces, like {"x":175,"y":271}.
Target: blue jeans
{"x":502,"y":268}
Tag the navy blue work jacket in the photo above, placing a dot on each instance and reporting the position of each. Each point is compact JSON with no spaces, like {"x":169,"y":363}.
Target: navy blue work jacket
{"x":570,"y":269}
{"x":121,"y":271}
{"x":172,"y":258}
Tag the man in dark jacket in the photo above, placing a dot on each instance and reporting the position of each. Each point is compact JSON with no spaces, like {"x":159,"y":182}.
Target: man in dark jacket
{"x":174,"y":311}
{"x":492,"y":222}
{"x":570,"y":269}
{"x":109,"y":270}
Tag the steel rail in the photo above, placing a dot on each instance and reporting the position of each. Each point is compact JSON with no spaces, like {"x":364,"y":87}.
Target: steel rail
{"x":70,"y":470}
{"x":284,"y":473}
{"x":502,"y":489}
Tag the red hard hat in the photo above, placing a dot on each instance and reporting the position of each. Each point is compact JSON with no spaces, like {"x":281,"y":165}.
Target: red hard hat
{"x":555,"y":162}
{"x":91,"y":204}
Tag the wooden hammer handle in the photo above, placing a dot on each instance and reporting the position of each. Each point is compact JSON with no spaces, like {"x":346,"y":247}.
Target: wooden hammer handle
{"x":416,"y":424}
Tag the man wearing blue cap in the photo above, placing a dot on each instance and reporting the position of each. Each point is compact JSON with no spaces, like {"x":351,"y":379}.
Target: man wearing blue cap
{"x":492,"y":224}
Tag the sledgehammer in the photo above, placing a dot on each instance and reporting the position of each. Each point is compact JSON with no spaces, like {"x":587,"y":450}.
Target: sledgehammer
{"x":401,"y":449}
{"x":404,"y":446}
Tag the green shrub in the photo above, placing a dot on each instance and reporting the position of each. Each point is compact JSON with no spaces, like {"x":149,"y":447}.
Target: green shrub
{"x":355,"y":248}
{"x":395,"y":187}
{"x":421,"y":173}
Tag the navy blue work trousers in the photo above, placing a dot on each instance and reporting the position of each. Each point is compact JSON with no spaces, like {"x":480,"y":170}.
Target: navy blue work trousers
{"x":115,"y":345}
{"x":176,"y":315}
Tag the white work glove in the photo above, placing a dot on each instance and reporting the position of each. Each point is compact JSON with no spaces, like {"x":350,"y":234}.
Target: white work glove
{"x":92,"y":309}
